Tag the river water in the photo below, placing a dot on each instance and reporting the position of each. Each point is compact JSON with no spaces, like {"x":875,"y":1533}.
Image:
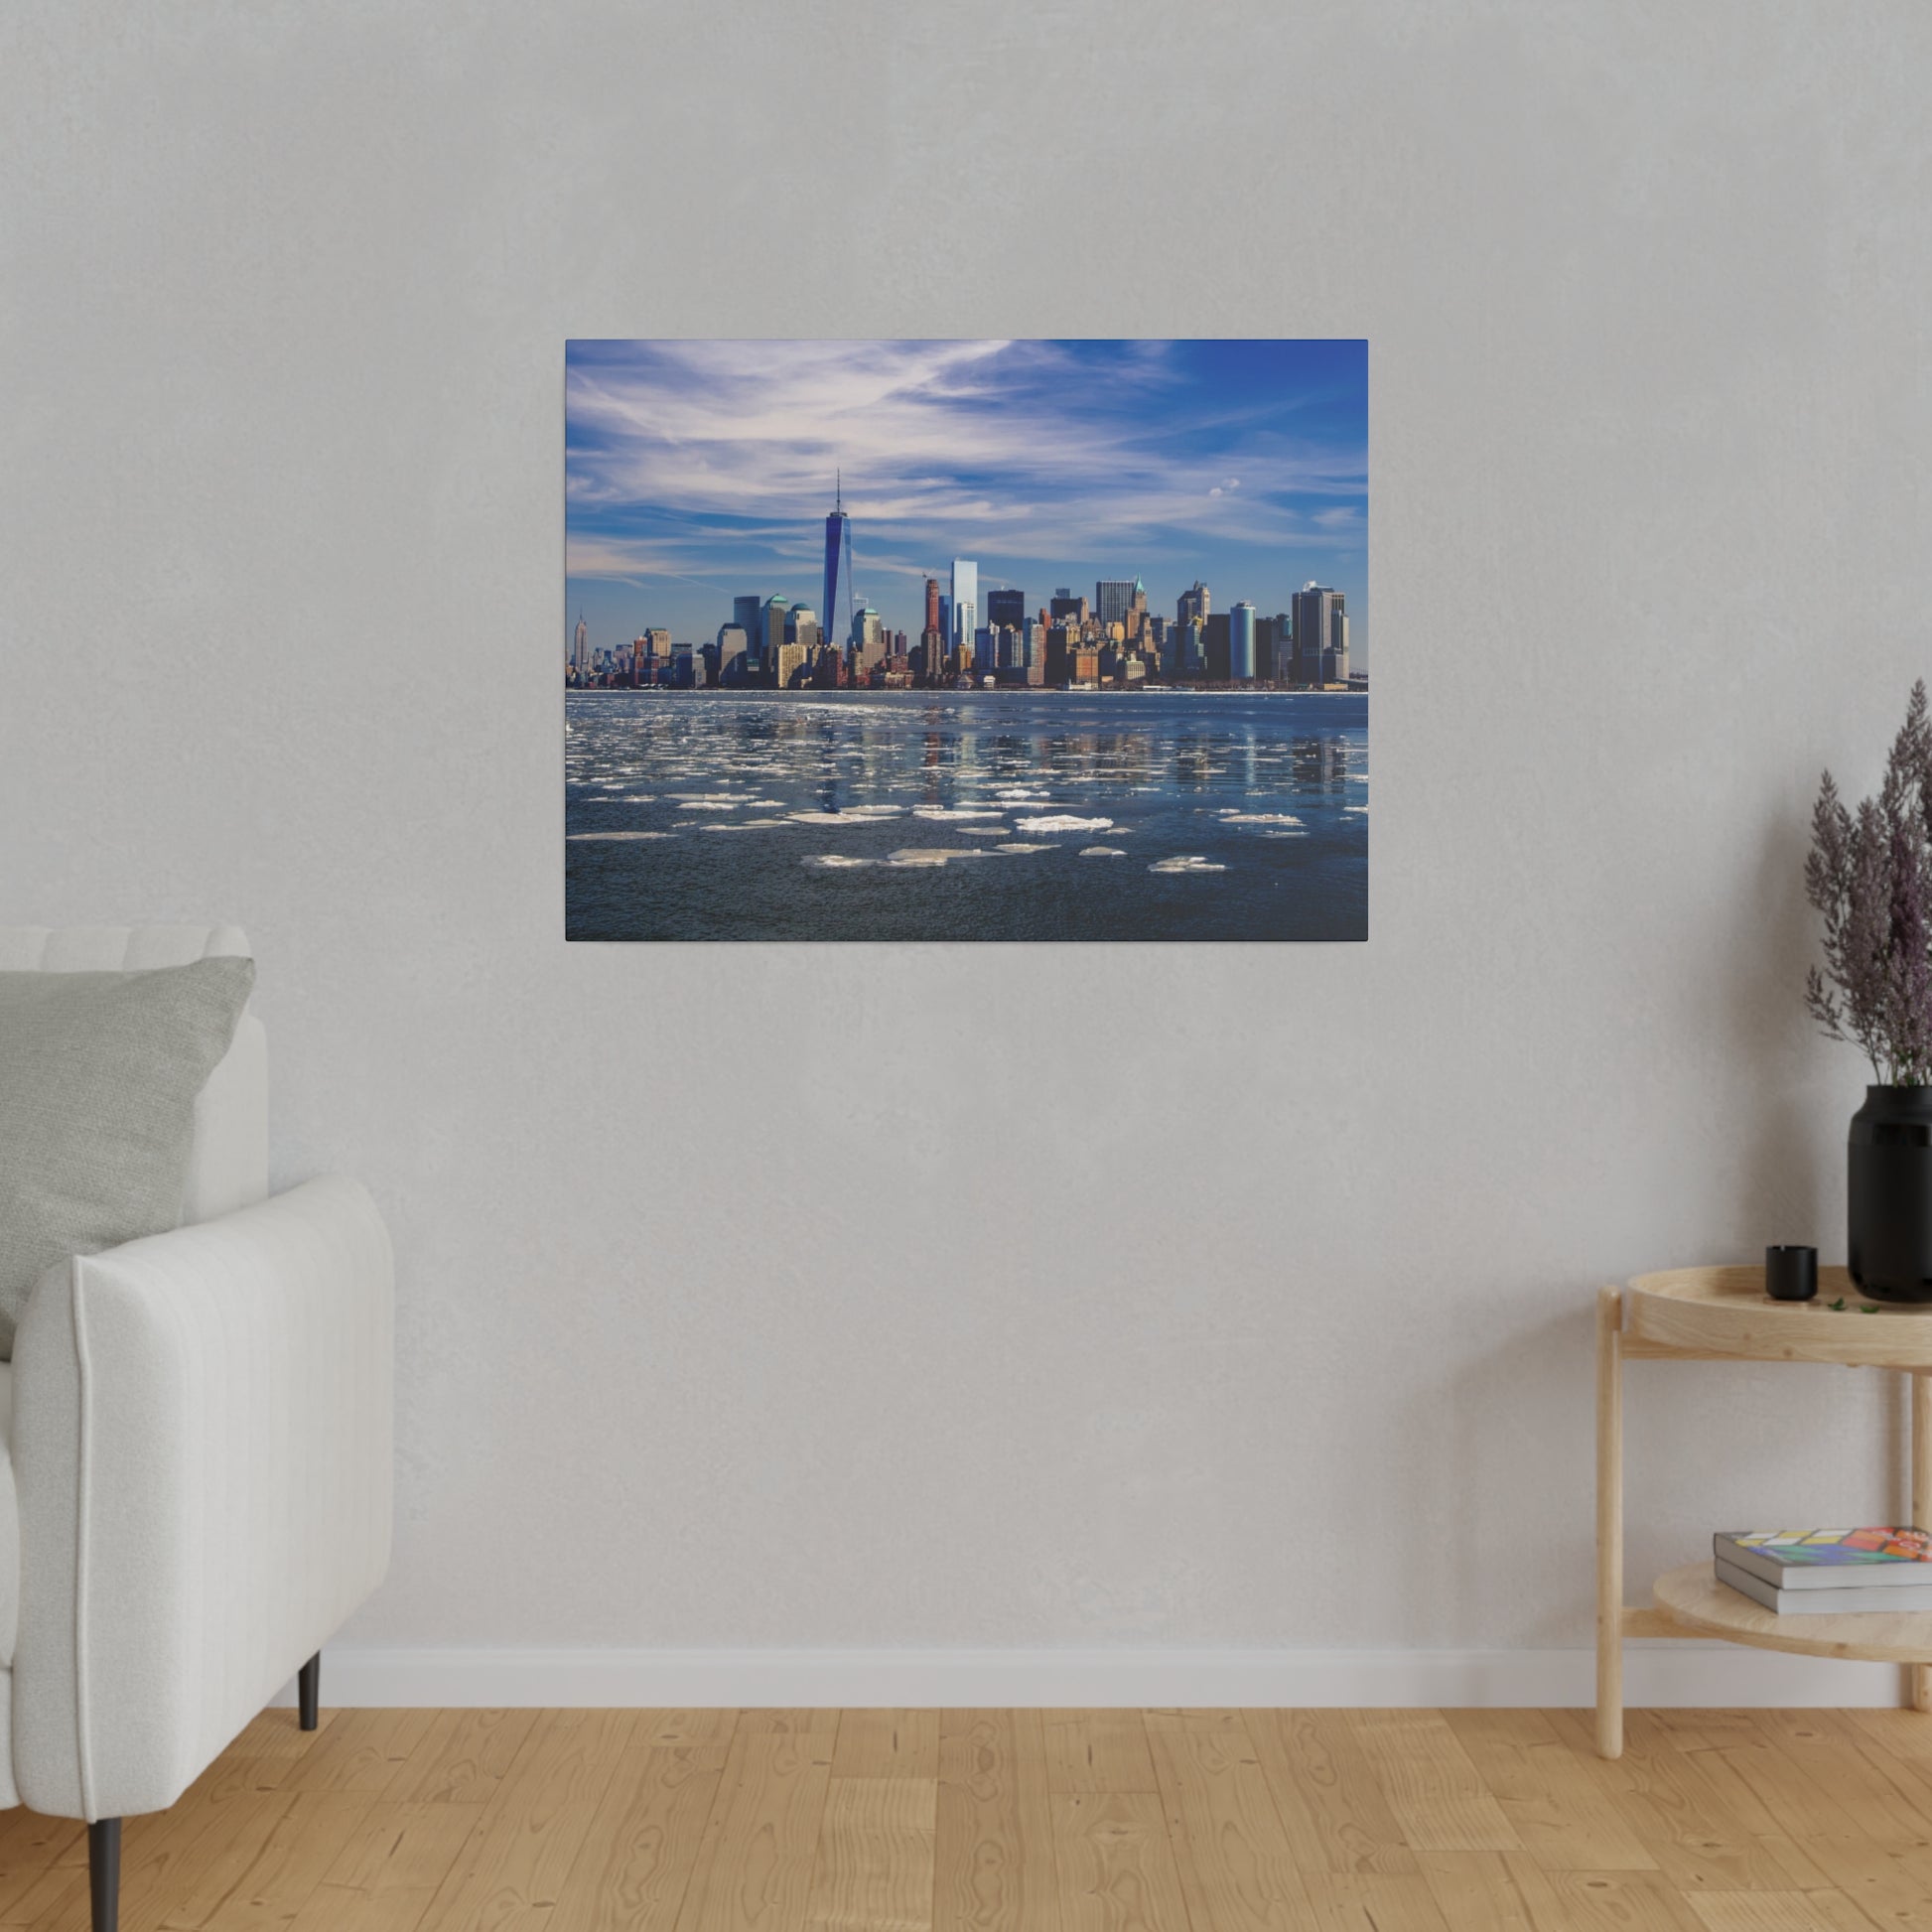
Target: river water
{"x":968,"y":815}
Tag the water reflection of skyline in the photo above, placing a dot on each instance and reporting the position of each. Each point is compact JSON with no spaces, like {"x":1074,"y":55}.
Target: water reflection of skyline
{"x":751,"y":742}
{"x":1270,"y":795}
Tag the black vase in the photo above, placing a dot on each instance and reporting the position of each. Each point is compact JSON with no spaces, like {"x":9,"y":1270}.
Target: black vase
{"x":1891,"y":1194}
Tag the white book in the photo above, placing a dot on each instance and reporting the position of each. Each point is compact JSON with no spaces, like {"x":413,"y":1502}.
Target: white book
{"x":1898,"y":1599}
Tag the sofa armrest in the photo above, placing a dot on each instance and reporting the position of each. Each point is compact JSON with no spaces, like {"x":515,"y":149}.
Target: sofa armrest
{"x":202,"y":1449}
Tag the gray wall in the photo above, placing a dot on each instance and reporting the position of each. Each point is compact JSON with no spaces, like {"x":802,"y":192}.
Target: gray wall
{"x":1196,"y":1296}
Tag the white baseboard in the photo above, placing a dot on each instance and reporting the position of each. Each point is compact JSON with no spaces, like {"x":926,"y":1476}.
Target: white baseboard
{"x":1655,"y":1674}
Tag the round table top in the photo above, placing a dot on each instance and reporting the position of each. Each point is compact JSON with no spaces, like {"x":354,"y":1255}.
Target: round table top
{"x":1693,"y":1599}
{"x":1725,"y":1312}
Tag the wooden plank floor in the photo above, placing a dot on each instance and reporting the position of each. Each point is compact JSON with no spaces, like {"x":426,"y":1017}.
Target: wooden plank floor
{"x":1022,"y":1821}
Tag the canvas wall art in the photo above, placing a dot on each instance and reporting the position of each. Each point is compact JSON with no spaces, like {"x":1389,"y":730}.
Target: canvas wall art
{"x":966,"y":641}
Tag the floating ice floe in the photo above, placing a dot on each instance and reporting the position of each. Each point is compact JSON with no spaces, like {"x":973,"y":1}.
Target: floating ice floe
{"x":625,"y":799}
{"x":619,"y":835}
{"x":748,"y":825}
{"x":836,"y":861}
{"x":858,"y":815}
{"x":944,"y":812}
{"x":1016,"y":845}
{"x":1259,"y":818}
{"x":1103,"y":852}
{"x":1061,"y":822}
{"x":935,"y":855}
{"x":1193,"y":862}
{"x":1361,"y":809}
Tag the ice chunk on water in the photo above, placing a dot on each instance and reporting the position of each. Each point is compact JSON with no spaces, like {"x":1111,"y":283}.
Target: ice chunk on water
{"x":935,"y":855}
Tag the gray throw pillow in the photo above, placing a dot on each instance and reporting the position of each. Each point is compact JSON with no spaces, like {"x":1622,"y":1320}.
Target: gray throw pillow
{"x":99,"y":1075}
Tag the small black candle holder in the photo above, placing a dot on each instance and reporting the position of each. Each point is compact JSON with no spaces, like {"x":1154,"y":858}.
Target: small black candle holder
{"x":1791,"y":1273}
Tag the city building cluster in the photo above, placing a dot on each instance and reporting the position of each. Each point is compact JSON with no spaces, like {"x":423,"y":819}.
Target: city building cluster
{"x":1111,"y":642}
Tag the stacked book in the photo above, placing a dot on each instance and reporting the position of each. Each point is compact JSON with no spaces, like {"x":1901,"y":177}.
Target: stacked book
{"x":1828,"y":1573}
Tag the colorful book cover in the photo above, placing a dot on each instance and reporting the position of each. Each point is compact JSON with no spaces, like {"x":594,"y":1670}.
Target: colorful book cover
{"x":1822,"y":1549}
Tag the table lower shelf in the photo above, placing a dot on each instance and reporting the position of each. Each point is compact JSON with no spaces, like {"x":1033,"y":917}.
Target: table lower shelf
{"x":1696,"y":1603}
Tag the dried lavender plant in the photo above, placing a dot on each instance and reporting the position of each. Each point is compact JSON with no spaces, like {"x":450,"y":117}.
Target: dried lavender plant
{"x":1869,"y":875}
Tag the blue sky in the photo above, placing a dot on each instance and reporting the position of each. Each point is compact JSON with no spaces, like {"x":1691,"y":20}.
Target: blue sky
{"x":700,"y":471}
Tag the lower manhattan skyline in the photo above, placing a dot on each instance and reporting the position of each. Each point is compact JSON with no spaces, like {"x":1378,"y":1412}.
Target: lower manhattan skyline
{"x":706,"y":481}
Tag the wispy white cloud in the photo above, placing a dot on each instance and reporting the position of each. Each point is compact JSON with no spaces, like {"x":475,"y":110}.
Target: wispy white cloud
{"x":624,"y":561}
{"x":758,"y":430}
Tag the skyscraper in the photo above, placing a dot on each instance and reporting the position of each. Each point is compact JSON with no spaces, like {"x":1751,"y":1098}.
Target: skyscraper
{"x":1315,"y":613}
{"x":1195,"y":604}
{"x":579,"y":650}
{"x":1190,"y":650}
{"x":965,"y":601}
{"x":932,"y":639}
{"x":1065,"y":605}
{"x":776,"y":610}
{"x":1006,"y":608}
{"x":746,"y":614}
{"x":839,"y":601}
{"x":1334,"y":659}
{"x":1266,"y":636}
{"x":1241,"y":642}
{"x":1111,"y":601}
{"x":1216,"y":647}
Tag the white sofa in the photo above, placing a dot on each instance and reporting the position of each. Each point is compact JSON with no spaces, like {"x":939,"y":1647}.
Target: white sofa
{"x":198,"y":1475}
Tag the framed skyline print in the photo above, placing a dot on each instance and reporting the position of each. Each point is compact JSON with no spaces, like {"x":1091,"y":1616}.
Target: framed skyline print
{"x":966,"y":639}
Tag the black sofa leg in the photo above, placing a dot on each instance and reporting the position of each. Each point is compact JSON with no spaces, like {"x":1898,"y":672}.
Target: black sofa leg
{"x":308,"y":1690}
{"x":104,"y":1836}
{"x":105,"y":1873}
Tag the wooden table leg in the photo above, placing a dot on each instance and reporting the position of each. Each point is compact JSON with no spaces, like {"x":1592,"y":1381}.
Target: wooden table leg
{"x":1921,"y":1674}
{"x":1610,"y":1522}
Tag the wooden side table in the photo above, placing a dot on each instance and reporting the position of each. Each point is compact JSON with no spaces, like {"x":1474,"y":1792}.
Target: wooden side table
{"x":1706,"y":1314}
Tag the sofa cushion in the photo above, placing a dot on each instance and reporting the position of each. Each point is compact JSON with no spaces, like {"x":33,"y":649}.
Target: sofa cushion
{"x":99,"y":1077}
{"x":228,"y":1167}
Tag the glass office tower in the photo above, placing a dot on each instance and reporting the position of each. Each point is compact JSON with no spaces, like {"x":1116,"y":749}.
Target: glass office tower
{"x":965,"y":601}
{"x":1241,"y":641}
{"x":838,"y":603}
